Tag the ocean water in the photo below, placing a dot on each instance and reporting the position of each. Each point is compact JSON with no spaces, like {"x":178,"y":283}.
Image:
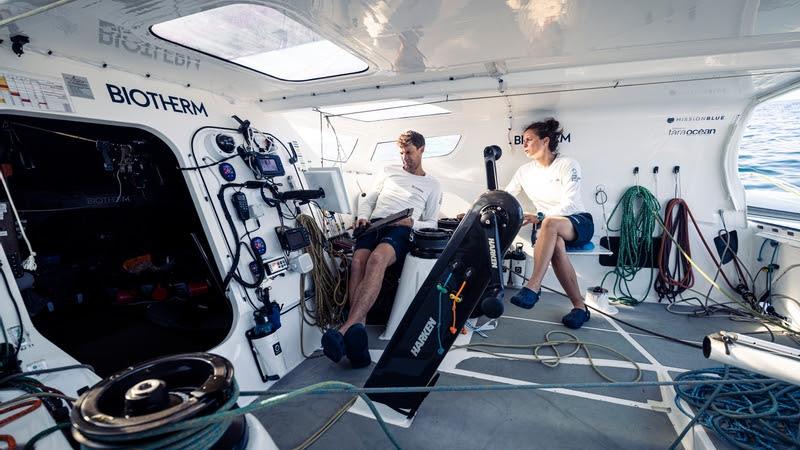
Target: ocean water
{"x":769,"y":156}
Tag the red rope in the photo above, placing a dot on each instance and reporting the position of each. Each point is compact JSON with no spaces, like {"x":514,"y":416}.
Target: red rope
{"x":31,"y":404}
{"x":9,"y":440}
{"x":683,"y":278}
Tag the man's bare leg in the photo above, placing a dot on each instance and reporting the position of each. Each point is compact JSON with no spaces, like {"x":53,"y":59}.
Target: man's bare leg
{"x":357,"y":268}
{"x":566,"y":275}
{"x":370,"y":286}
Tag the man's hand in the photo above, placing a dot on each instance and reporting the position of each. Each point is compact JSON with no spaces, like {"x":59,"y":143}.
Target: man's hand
{"x":407,"y":222}
{"x":461,"y":216}
{"x":529,"y":218}
{"x":361,"y":223}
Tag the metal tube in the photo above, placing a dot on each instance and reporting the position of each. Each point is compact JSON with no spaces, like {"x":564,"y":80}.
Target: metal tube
{"x":767,"y":358}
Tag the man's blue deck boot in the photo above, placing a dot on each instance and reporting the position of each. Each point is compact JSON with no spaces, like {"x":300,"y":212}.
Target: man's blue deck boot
{"x":333,"y":344}
{"x":356,"y":344}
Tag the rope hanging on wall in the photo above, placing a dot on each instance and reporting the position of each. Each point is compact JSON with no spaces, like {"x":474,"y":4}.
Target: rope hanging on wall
{"x":330,"y":284}
{"x":674,"y":280}
{"x":639,"y":210}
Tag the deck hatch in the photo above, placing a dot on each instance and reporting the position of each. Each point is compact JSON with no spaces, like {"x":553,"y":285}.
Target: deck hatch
{"x":263,"y":39}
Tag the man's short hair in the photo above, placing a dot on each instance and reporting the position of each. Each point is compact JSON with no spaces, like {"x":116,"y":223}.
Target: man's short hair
{"x":413,"y":138}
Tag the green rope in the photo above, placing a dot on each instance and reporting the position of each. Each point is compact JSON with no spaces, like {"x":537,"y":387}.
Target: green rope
{"x":31,"y":444}
{"x":639,"y":211}
{"x":211,"y":421}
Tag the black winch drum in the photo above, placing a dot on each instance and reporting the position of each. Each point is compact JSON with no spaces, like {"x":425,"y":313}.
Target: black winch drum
{"x":153,"y":394}
{"x":448,"y":223}
{"x":428,"y":243}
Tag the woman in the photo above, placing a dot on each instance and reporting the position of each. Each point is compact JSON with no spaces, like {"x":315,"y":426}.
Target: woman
{"x":552,"y":181}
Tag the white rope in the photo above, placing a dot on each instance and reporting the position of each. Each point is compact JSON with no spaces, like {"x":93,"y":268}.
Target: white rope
{"x":30,"y":261}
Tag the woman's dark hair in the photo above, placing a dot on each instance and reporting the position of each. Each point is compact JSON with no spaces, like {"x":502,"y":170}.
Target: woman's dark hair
{"x":548,"y":128}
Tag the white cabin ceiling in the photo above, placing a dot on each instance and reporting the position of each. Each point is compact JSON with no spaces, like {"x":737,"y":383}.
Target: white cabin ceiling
{"x":530,"y":43}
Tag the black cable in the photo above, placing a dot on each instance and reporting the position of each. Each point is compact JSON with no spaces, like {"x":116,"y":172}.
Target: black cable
{"x":297,"y":172}
{"x":213,"y":273}
{"x":43,"y":371}
{"x":212,"y":164}
{"x":238,"y":253}
{"x":208,"y":196}
{"x":645,"y":330}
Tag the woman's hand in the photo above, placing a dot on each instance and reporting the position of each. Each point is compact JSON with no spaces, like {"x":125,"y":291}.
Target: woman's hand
{"x":529,"y":218}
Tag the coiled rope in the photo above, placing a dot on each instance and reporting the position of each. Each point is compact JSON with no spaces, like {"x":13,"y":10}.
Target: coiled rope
{"x":330,"y":284}
{"x":760,"y":414}
{"x":672,"y":281}
{"x":639,"y":209}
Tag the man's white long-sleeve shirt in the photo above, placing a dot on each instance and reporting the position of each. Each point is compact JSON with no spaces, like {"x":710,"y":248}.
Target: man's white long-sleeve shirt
{"x":395,"y":190}
{"x":555,"y":190}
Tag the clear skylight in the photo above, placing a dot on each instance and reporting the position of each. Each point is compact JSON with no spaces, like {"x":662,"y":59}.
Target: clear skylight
{"x":434,"y":146}
{"x":392,"y":109}
{"x":262,"y":39}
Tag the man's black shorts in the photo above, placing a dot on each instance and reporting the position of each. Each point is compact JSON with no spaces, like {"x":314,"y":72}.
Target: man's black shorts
{"x":398,"y":237}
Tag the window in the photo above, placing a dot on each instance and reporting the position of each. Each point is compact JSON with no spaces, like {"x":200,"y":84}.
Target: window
{"x":262,"y":39}
{"x":434,"y":146}
{"x":388,"y":110}
{"x":768,"y":158}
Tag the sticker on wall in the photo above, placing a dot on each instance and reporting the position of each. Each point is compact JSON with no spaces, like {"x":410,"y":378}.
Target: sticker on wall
{"x":563,"y":138}
{"x":34,"y":93}
{"x":78,"y":86}
{"x":695,"y":118}
{"x":694,"y":124}
{"x":692,"y":131}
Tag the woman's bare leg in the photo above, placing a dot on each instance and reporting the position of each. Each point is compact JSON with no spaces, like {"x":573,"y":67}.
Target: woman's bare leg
{"x":552,"y":229}
{"x":566,"y":275}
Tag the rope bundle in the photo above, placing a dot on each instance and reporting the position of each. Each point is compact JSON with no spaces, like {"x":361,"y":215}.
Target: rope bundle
{"x":673,"y":281}
{"x":330,"y":285}
{"x":639,"y":209}
{"x":752,"y":415}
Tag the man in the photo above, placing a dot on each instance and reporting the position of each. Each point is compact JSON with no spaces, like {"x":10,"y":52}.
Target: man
{"x":395,"y":190}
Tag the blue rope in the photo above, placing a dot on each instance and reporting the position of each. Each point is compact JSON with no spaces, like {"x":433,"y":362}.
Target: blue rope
{"x":201,"y":432}
{"x":508,"y":387}
{"x":752,"y":411}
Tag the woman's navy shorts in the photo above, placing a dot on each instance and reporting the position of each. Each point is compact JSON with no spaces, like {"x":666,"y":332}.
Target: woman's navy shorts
{"x":584,"y":229}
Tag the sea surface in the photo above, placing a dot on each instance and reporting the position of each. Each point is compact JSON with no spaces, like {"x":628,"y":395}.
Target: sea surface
{"x":769,"y":156}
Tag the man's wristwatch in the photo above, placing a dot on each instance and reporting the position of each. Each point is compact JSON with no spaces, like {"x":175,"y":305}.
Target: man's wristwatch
{"x":540,"y":216}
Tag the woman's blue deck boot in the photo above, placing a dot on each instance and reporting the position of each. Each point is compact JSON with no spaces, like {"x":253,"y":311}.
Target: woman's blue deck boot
{"x":576,"y":318}
{"x":525,"y":298}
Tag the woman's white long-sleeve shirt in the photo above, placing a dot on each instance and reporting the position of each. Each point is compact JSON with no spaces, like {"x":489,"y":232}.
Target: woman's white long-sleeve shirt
{"x":555,"y":190}
{"x":395,"y":190}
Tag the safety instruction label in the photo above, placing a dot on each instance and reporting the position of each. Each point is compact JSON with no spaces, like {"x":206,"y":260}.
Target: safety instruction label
{"x":78,"y":86}
{"x":34,"y":93}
